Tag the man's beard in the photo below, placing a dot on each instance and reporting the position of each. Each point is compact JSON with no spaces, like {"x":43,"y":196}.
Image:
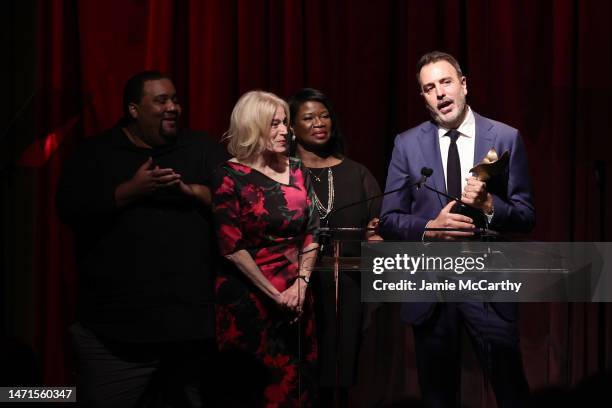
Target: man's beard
{"x":456,"y":121}
{"x":168,"y":135}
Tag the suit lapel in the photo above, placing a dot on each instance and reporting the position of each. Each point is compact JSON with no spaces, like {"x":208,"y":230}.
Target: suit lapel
{"x":430,"y":148}
{"x":485,"y":138}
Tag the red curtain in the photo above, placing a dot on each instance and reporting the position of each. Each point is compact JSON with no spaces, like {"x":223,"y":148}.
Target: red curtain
{"x":539,"y":66}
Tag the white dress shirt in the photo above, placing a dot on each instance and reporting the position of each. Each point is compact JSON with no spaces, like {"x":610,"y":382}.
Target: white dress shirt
{"x":465,"y":146}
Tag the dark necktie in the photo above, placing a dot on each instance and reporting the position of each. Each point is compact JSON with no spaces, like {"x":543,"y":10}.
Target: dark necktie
{"x":453,"y":166}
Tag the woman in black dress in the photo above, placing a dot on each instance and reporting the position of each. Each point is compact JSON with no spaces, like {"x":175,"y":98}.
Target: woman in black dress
{"x":337,"y":181}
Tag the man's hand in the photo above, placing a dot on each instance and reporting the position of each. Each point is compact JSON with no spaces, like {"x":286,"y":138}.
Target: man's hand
{"x":447,"y":219}
{"x":144,"y":182}
{"x":197,"y":191}
{"x":475,"y":194}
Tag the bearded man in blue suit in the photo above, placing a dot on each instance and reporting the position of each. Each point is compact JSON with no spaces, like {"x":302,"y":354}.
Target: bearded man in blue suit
{"x":451,"y":144}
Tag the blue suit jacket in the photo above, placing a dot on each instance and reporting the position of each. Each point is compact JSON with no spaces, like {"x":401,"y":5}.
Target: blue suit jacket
{"x":405,"y":213}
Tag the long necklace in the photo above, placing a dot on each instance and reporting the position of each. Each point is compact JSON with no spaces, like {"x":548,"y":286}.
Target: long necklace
{"x":324,"y":211}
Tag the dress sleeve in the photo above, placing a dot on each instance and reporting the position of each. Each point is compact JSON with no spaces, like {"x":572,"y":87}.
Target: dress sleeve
{"x":371,"y":189}
{"x":226,"y":210}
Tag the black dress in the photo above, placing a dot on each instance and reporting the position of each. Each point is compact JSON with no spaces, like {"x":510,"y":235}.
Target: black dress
{"x":352,"y":182}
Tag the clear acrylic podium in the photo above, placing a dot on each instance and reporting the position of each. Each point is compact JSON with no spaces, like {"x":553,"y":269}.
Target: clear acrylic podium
{"x":341,"y":249}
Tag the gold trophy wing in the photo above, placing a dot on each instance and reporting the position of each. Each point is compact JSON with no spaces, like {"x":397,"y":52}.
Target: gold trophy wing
{"x":490,"y":166}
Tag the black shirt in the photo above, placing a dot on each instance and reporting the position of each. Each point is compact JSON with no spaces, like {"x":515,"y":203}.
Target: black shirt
{"x":145,"y":270}
{"x":352,"y":183}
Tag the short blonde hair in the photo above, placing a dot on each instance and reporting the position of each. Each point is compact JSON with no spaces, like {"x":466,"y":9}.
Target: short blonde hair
{"x":250,"y":123}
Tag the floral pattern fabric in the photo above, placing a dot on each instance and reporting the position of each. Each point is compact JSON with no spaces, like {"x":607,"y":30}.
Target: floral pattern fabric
{"x":273,"y":222}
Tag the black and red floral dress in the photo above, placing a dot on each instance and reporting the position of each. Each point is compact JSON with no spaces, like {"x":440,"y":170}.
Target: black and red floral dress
{"x":273,"y":222}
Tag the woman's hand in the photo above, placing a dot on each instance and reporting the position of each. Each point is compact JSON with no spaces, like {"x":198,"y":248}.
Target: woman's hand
{"x":371,"y":233}
{"x":279,"y":300}
{"x":293,"y":297}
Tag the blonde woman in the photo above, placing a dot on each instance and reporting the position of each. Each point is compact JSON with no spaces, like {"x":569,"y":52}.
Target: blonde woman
{"x":266,"y":225}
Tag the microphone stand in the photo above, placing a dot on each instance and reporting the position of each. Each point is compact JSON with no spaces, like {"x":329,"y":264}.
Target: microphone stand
{"x":325,"y":233}
{"x":327,"y":230}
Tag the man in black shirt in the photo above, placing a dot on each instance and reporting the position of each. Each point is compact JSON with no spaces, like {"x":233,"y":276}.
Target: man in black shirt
{"x":137,"y":199}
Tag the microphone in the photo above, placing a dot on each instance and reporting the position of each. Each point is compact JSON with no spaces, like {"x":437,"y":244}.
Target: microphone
{"x":326,"y":232}
{"x":376,"y":196}
{"x":425,"y":173}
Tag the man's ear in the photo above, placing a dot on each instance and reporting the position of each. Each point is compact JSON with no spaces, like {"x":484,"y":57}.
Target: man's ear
{"x":133,"y":109}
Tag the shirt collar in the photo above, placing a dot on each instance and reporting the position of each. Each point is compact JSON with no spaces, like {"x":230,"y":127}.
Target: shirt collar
{"x":466,"y":128}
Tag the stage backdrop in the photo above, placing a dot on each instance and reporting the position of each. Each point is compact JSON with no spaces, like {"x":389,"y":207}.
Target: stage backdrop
{"x":540,"y":66}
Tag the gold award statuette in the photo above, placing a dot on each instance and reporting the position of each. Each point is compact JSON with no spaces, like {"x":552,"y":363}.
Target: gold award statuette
{"x":491,"y":165}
